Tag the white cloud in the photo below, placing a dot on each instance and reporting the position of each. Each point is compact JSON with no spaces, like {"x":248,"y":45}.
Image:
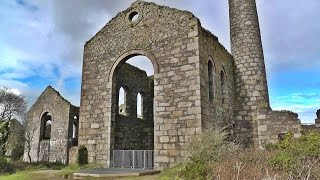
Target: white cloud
{"x":142,"y":63}
{"x":305,"y":104}
{"x":15,"y":91}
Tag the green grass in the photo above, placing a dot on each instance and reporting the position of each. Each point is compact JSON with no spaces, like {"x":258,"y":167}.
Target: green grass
{"x":74,"y":168}
{"x":167,"y":174}
{"x":39,"y":172}
{"x":22,"y":175}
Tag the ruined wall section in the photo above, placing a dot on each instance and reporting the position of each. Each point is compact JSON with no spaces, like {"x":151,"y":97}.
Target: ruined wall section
{"x":312,"y":127}
{"x":134,"y":81}
{"x":317,"y":120}
{"x":15,"y":140}
{"x":217,"y":111}
{"x":131,"y":132}
{"x":273,"y":124}
{"x":168,"y":37}
{"x":55,"y":149}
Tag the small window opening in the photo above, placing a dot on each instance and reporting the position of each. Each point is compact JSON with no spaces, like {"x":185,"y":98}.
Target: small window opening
{"x":211,"y":80}
{"x":74,"y":133}
{"x":133,"y":16}
{"x":139,"y":106}
{"x":223,"y":89}
{"x":122,"y":101}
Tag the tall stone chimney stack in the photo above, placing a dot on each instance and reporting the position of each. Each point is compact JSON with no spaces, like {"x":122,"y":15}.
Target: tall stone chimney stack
{"x":250,"y":74}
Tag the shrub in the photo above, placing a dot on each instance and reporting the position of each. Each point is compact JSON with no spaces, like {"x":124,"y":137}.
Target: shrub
{"x":211,"y":145}
{"x":5,"y":166}
{"x":245,"y":164}
{"x":204,"y":149}
{"x":283,"y":160}
{"x":195,"y":169}
{"x":82,"y":155}
{"x":298,"y":156}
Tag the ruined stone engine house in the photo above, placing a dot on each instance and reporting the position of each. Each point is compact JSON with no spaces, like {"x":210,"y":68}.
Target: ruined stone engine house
{"x":197,"y":84}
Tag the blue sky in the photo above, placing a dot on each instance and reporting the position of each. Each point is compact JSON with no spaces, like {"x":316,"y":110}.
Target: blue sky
{"x":41,"y":43}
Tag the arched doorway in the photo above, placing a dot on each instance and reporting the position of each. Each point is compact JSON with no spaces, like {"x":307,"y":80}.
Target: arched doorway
{"x":132,"y":121}
{"x":45,"y":129}
{"x":45,"y":136}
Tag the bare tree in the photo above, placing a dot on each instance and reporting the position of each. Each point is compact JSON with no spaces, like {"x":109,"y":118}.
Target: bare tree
{"x":29,"y":135}
{"x":11,"y":104}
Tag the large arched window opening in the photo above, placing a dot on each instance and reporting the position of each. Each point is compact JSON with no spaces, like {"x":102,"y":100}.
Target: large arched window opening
{"x":135,"y":75}
{"x":211,"y":79}
{"x":45,"y":129}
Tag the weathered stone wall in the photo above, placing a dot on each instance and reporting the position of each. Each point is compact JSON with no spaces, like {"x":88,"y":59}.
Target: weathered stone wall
{"x":133,"y":133}
{"x":44,"y":150}
{"x":56,"y":148}
{"x":317,"y":120}
{"x":168,"y":37}
{"x":251,"y":89}
{"x":217,"y":111}
{"x":312,"y":127}
{"x":272,"y":124}
{"x":134,"y":81}
{"x":305,"y":128}
{"x":73,"y":154}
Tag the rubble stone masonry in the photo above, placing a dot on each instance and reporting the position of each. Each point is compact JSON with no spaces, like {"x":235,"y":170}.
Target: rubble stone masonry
{"x":62,"y":112}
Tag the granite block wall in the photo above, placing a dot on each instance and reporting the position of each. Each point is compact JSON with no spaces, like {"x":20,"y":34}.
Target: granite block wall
{"x":273,"y":124}
{"x":133,"y":134}
{"x":218,"y":110}
{"x":251,"y":89}
{"x":169,"y":38}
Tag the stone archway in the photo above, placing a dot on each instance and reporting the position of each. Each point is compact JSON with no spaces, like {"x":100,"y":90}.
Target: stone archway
{"x":129,"y":54}
{"x":46,"y":120}
{"x":132,"y":138}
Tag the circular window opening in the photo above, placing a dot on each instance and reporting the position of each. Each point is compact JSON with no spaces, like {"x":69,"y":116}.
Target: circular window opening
{"x":134,"y":16}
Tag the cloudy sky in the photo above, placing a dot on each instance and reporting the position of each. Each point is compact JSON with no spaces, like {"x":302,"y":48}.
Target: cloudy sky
{"x":41,"y":43}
